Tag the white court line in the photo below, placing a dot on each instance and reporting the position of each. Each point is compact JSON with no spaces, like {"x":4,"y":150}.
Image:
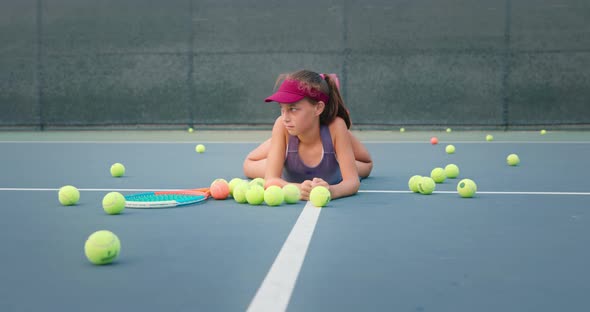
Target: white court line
{"x":276,"y":289}
{"x":360,"y":191}
{"x":484,"y":192}
{"x":131,"y":142}
{"x":258,"y":142}
{"x":478,"y":142}
{"x":85,"y":189}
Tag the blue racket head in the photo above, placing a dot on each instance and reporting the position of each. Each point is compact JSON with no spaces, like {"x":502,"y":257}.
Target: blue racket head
{"x":164,"y":199}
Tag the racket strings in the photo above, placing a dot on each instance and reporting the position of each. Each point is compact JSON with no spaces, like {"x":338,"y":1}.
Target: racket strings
{"x":163,"y":197}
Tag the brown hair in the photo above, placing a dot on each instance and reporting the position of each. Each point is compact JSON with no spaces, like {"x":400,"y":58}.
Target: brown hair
{"x":327,"y":85}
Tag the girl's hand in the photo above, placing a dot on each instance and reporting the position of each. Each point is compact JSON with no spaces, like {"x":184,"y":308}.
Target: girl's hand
{"x":319,"y":182}
{"x":274,"y":181}
{"x":308,"y":185}
{"x":305,"y":187}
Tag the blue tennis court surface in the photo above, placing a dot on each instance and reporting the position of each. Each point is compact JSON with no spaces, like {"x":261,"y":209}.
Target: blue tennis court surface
{"x":519,"y":245}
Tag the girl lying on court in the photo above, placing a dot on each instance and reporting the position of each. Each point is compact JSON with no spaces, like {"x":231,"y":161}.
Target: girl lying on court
{"x":311,"y":143}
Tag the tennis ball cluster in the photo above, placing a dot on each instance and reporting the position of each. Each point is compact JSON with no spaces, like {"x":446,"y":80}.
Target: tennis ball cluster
{"x":113,"y":203}
{"x":426,"y":185}
{"x":253,"y":192}
{"x":103,"y":246}
{"x":466,"y":188}
{"x":422,"y":185}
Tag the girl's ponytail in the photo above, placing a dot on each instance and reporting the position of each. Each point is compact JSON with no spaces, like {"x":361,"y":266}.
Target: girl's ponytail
{"x":335,"y":106}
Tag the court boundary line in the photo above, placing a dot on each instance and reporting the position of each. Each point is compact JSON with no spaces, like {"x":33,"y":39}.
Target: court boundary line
{"x":274,"y":294}
{"x":485,"y":192}
{"x":258,"y":142}
{"x":31,"y":189}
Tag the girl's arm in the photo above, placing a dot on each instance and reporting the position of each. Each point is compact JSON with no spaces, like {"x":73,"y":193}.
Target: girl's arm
{"x":343,"y":146}
{"x":276,"y":154}
{"x":276,"y":159}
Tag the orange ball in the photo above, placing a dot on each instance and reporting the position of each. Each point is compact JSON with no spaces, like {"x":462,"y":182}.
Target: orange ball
{"x":434,"y":140}
{"x":219,"y":189}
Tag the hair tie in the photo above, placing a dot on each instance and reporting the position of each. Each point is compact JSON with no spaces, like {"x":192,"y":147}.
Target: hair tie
{"x":333,"y":77}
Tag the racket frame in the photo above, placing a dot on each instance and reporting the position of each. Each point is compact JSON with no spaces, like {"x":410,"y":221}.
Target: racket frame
{"x":200,"y":194}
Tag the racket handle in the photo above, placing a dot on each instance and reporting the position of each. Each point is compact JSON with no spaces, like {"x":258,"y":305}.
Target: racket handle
{"x":205,"y":190}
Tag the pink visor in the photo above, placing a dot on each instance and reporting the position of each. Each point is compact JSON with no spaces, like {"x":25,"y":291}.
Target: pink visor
{"x":291,"y":91}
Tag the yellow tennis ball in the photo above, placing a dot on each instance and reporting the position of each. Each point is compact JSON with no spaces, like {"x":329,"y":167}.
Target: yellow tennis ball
{"x":68,"y":195}
{"x":413,"y":183}
{"x":450,"y":149}
{"x":239,"y":193}
{"x":438,"y":175}
{"x":449,"y":130}
{"x":319,"y":196}
{"x":426,"y":185}
{"x":274,"y":196}
{"x":117,"y":170}
{"x":255,"y":194}
{"x":466,"y":188}
{"x":113,"y":203}
{"x":543,"y":132}
{"x":402,"y":130}
{"x":292,"y":193}
{"x":513,"y":160}
{"x":489,"y":137}
{"x":190,"y":130}
{"x":200,"y":148}
{"x":451,"y":171}
{"x":259,"y":181}
{"x":232,"y":184}
{"x":102,"y":247}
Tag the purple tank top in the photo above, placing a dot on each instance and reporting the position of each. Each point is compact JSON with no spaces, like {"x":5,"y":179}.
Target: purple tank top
{"x":328,"y":169}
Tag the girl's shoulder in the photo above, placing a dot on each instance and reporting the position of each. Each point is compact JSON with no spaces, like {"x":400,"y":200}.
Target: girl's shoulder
{"x":279,"y":129}
{"x":338,"y":126}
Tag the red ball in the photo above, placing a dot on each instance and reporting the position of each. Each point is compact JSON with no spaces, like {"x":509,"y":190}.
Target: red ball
{"x":433,"y":141}
{"x":219,"y":189}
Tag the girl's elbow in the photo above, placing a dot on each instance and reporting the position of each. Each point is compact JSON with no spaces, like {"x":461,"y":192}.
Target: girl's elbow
{"x":367,"y":170}
{"x":355,"y":186}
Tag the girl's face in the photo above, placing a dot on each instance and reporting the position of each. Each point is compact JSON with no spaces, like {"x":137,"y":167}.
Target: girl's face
{"x":299,"y":117}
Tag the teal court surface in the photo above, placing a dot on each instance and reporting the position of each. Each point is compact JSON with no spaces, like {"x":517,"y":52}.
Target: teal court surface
{"x":519,"y":245}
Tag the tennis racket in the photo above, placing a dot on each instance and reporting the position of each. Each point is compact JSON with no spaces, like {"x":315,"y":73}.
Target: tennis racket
{"x":166,"y":199}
